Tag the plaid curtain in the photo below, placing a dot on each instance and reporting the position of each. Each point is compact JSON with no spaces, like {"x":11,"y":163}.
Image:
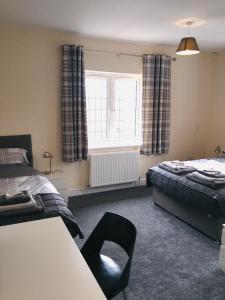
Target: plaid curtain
{"x":73,"y":104}
{"x":156,"y":104}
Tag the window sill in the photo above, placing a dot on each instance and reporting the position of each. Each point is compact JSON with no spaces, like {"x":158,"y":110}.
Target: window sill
{"x":119,"y":146}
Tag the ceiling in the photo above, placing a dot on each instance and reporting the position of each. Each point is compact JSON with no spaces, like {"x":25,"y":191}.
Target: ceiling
{"x":132,"y":20}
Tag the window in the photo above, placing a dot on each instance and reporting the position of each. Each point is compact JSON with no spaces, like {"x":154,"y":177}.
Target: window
{"x":113,"y":109}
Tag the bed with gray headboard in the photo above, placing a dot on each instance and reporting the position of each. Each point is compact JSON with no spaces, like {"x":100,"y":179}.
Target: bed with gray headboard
{"x":16,"y":176}
{"x":18,"y":141}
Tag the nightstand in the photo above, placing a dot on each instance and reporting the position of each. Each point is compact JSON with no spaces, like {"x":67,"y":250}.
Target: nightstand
{"x":59,"y":182}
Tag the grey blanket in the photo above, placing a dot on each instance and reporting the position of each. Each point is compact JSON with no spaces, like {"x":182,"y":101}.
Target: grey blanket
{"x":18,"y":178}
{"x":176,"y":170}
{"x":215,"y":183}
{"x":180,"y":187}
{"x":13,"y":170}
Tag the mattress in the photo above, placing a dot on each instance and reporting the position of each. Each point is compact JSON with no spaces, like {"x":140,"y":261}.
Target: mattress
{"x":14,"y":178}
{"x":182,"y":189}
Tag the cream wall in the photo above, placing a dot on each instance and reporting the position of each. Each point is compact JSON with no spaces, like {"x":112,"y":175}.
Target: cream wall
{"x":30,"y":93}
{"x":216,"y":119}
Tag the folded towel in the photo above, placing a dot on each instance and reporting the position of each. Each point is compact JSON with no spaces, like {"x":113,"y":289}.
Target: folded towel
{"x":16,"y":198}
{"x":208,"y":178}
{"x":29,"y":210}
{"x":205,"y":180}
{"x":176,"y":167}
{"x":212,"y":173}
{"x":175,"y":162}
{"x":24,"y":205}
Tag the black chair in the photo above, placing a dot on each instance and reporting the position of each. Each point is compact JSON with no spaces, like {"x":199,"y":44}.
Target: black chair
{"x":109,"y":275}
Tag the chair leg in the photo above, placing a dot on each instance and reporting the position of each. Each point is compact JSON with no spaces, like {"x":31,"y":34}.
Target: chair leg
{"x":124,"y":295}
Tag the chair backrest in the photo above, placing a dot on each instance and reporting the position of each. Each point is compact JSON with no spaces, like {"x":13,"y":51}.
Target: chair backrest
{"x":114,"y":228}
{"x":117,"y":229}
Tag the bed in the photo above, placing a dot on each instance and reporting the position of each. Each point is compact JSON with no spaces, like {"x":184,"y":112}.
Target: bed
{"x":16,"y":177}
{"x":198,"y":205}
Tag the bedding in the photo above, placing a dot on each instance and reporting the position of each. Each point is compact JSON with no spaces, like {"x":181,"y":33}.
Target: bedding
{"x":13,"y":156}
{"x":212,"y":174}
{"x":176,"y":167}
{"x":7,"y":205}
{"x":35,"y":184}
{"x":11,"y":171}
{"x":15,"y":178}
{"x":213,"y":164}
{"x":213,"y":182}
{"x":191,"y":193}
{"x":23,"y":211}
{"x":201,"y":206}
{"x":206,"y":172}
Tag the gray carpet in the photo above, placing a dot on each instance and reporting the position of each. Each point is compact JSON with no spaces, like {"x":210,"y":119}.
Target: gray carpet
{"x":172,"y":261}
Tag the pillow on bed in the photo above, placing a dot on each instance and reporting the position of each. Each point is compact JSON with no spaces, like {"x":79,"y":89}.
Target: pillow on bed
{"x":13,"y":156}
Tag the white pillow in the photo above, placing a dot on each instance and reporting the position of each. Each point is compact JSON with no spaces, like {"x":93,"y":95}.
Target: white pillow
{"x":13,"y":156}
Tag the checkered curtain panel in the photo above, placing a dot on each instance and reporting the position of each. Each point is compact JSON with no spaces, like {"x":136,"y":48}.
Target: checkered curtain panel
{"x":73,"y":104}
{"x":156,"y":104}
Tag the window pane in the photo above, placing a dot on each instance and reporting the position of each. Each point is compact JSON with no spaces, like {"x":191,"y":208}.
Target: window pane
{"x":97,"y":98}
{"x":123,"y":124}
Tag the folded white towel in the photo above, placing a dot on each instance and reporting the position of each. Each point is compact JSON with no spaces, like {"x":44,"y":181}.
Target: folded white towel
{"x":176,"y":162}
{"x":176,"y":165}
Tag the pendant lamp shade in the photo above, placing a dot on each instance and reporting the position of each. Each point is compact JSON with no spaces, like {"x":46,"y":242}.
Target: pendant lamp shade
{"x":188,"y":46}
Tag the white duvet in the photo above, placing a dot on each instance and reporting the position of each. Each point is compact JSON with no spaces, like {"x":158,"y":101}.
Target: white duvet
{"x":207,"y":165}
{"x":34,"y":184}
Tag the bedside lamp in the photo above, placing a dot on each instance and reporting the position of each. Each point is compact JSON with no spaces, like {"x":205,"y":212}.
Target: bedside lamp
{"x":50,"y":156}
{"x":218,"y":150}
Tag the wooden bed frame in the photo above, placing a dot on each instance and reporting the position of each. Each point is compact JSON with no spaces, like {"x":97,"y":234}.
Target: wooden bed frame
{"x":210,"y":225}
{"x":18,"y":141}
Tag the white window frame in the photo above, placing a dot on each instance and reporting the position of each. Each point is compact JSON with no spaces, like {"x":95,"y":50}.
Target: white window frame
{"x":111,"y":76}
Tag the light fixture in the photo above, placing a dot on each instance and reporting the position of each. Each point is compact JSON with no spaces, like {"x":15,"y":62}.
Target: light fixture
{"x":50,"y":156}
{"x":188,"y":45}
{"x":218,"y":150}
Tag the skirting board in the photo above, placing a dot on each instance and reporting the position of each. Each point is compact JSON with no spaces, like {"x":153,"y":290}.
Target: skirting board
{"x":88,"y":190}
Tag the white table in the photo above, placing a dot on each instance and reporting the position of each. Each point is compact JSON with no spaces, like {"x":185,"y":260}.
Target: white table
{"x":39,"y":260}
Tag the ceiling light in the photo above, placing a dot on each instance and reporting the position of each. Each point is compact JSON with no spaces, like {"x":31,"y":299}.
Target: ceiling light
{"x":188,"y":45}
{"x":195,"y":22}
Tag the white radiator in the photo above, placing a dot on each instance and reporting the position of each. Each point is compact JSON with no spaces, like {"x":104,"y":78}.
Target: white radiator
{"x":113,"y":168}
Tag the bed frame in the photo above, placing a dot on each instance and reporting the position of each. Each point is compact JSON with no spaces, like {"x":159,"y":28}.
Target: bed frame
{"x":18,"y":141}
{"x":210,"y":225}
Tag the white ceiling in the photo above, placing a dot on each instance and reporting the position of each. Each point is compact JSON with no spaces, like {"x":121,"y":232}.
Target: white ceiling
{"x":133,"y":20}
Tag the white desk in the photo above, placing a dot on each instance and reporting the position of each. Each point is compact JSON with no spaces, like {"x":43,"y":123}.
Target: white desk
{"x":40,"y":261}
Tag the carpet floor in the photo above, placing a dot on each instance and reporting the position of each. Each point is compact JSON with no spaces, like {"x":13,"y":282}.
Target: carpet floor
{"x":172,"y":261}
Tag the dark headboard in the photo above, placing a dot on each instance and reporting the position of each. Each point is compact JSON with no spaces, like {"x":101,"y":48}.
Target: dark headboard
{"x":18,"y":141}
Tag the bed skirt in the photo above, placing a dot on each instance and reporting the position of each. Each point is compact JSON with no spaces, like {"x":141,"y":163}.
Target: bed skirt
{"x":209,"y":224}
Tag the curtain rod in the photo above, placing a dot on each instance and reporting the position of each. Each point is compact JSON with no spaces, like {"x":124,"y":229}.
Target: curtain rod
{"x":119,"y":53}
